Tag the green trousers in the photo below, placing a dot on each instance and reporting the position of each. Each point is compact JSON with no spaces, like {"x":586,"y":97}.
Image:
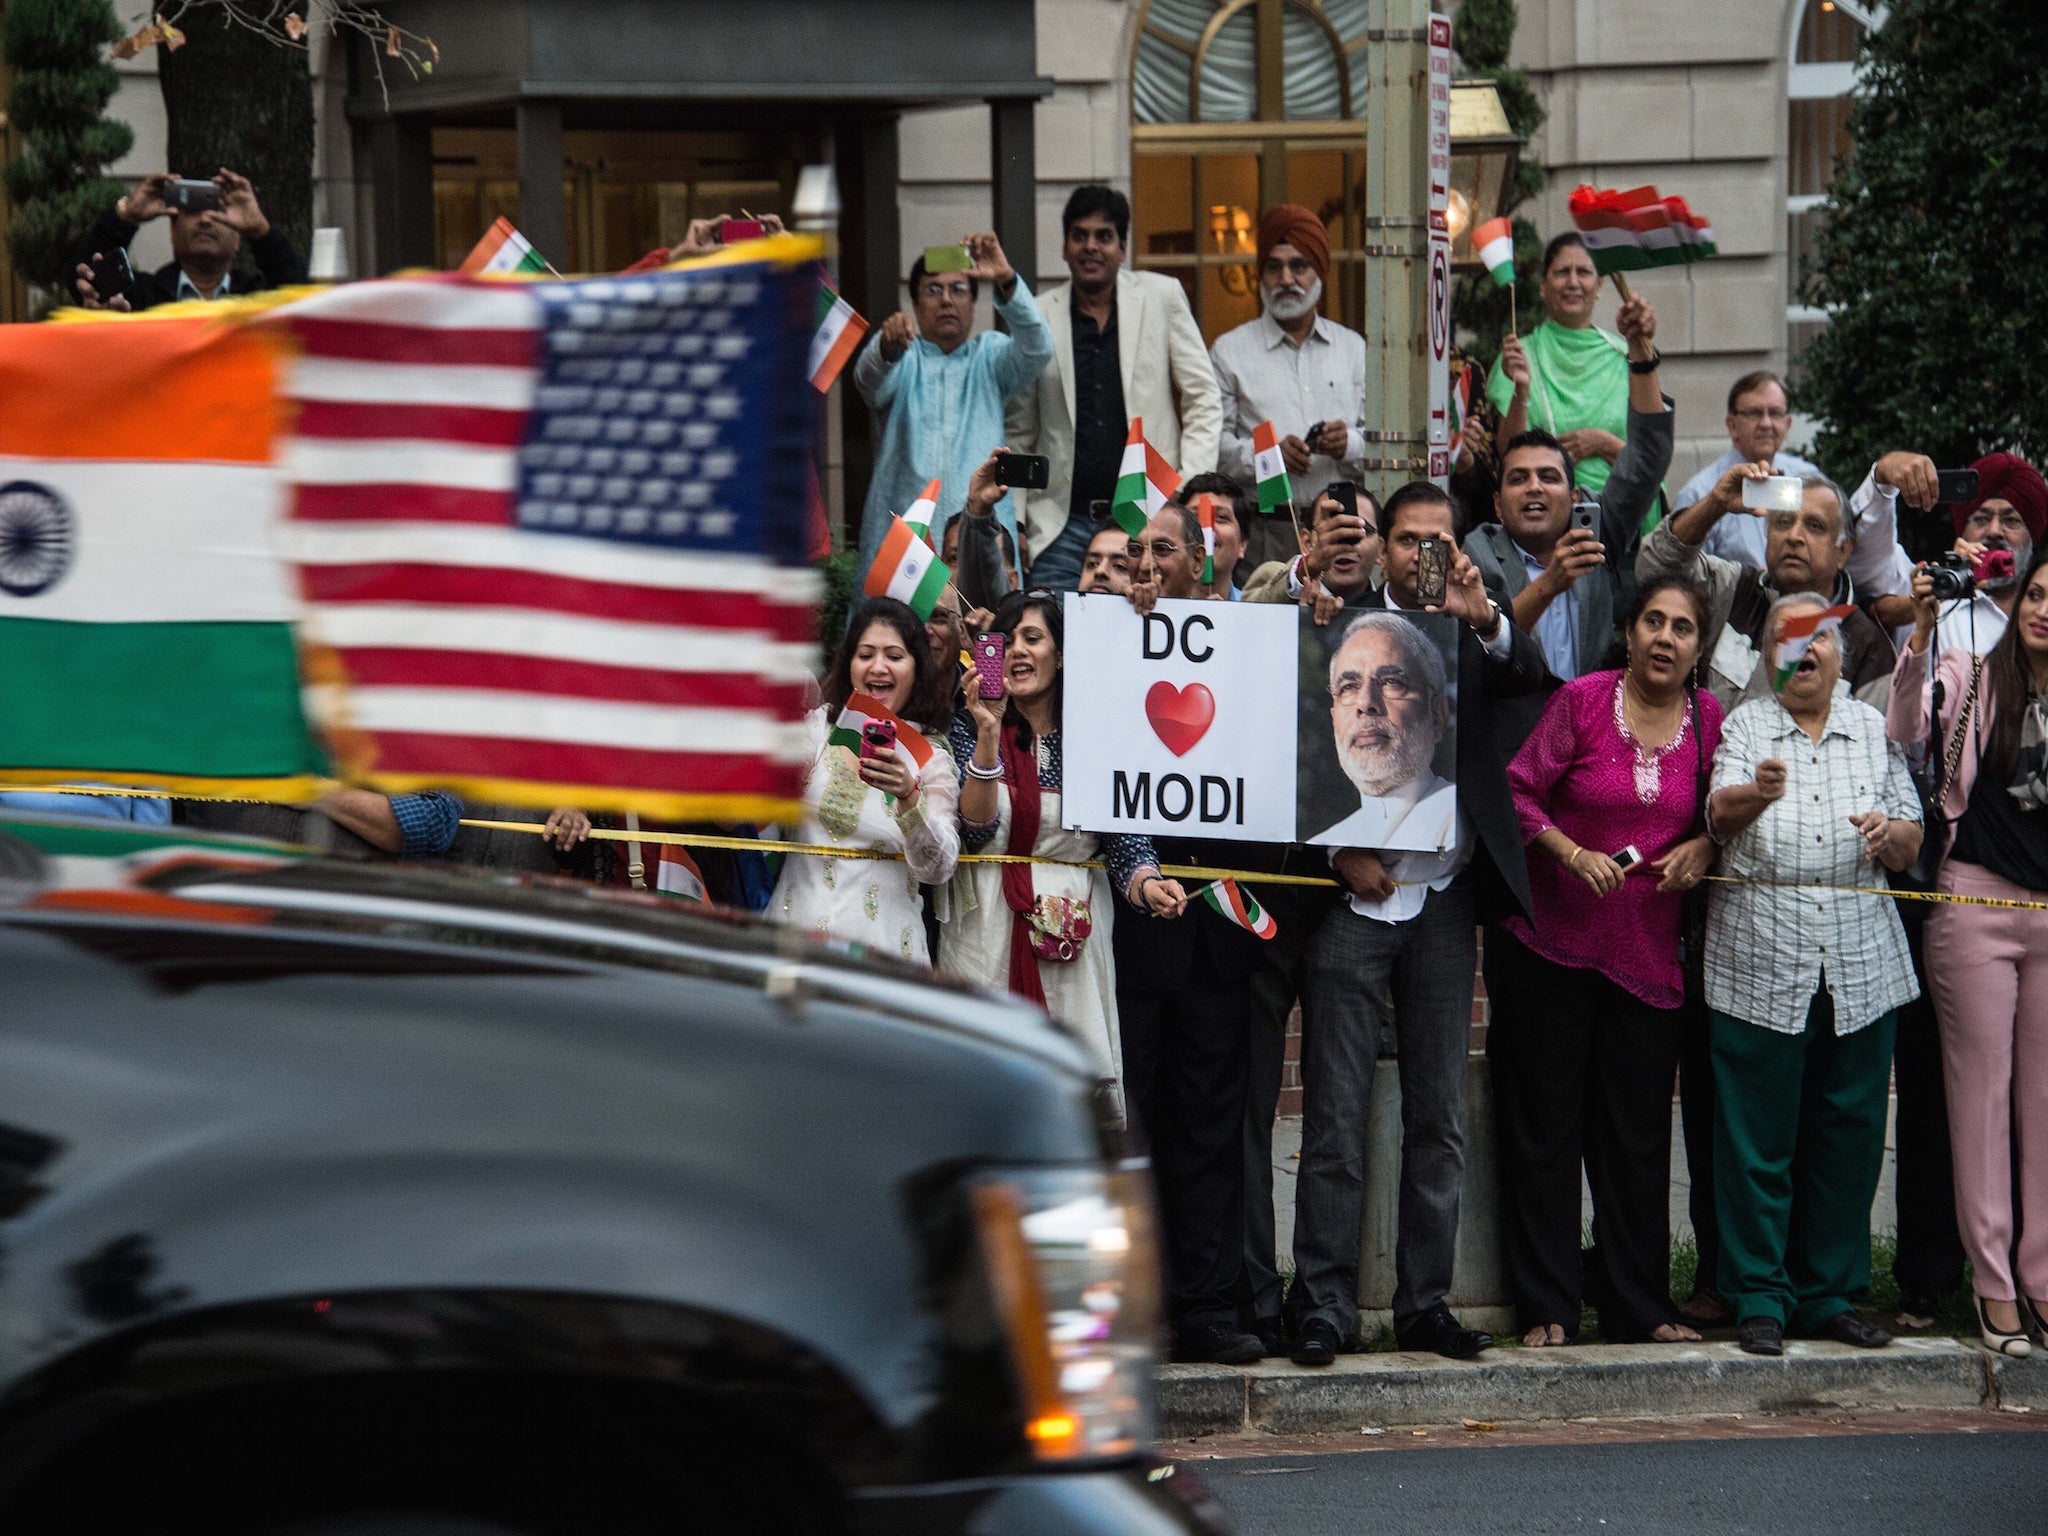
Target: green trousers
{"x":1798,"y":1145}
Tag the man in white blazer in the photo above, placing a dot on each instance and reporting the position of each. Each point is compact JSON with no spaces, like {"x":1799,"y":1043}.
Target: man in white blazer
{"x":1125,"y":344}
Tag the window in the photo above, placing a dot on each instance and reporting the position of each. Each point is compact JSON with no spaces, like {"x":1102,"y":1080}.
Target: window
{"x":1237,"y":105}
{"x":1821,"y":83}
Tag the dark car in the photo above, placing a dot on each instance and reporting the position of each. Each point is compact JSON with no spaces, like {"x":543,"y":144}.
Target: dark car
{"x":342,"y":1197}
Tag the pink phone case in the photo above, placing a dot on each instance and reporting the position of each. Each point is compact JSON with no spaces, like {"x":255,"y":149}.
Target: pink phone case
{"x":988,"y":665}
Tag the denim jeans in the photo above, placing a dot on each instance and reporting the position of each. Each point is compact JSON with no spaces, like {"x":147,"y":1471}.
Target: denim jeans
{"x":1359,"y":969}
{"x":1058,"y":566}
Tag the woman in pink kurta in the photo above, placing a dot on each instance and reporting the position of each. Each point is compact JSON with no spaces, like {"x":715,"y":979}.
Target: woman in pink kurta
{"x":1583,"y":1038}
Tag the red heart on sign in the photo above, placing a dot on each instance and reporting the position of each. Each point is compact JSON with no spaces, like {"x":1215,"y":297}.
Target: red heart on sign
{"x":1180,"y":716}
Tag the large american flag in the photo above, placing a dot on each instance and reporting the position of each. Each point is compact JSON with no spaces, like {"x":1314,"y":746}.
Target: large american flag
{"x":550,"y":535}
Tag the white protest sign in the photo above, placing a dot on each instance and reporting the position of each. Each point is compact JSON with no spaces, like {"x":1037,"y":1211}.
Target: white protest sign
{"x":1181,"y":720}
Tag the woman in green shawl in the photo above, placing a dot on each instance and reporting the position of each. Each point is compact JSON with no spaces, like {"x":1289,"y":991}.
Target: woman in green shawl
{"x":1578,"y":384}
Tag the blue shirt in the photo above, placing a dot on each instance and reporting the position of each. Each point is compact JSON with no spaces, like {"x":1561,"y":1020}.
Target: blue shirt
{"x":1558,"y":630}
{"x":427,"y":823}
{"x":145,"y":809}
{"x":941,"y":413}
{"x":1739,"y":538}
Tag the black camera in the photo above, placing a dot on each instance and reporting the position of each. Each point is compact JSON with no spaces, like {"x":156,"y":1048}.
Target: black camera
{"x":1952,"y":577}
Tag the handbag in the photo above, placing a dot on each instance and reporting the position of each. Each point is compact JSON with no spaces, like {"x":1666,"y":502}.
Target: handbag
{"x":1692,"y":920}
{"x":1059,"y":925}
{"x":1932,"y":781}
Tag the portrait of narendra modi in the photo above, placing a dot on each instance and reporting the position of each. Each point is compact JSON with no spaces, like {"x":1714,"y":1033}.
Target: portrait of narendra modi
{"x":1378,"y":743}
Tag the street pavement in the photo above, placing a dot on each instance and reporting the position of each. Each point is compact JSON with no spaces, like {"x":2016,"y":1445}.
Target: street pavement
{"x":1984,"y":1480}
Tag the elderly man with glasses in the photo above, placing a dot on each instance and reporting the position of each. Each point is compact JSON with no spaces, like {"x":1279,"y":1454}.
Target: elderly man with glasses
{"x":938,"y":388}
{"x":1759,"y":417}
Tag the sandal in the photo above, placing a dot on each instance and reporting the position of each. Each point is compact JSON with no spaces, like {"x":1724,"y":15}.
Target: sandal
{"x":1707,"y":1308}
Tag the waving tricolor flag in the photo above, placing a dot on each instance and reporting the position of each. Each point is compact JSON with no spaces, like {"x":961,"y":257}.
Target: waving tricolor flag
{"x":1494,"y":244}
{"x":861,"y":709}
{"x":1144,"y":484}
{"x":1235,"y":903}
{"x":832,"y":344}
{"x":503,"y":249}
{"x":1205,"y":514}
{"x":1629,"y":231}
{"x":922,"y":510}
{"x":1795,"y":635}
{"x":1269,"y":468}
{"x":907,"y":569}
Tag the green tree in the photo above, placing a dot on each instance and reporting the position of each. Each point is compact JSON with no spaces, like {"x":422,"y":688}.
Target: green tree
{"x":235,"y":95}
{"x":1939,"y":301}
{"x":62,"y":83}
{"x":1482,"y":33}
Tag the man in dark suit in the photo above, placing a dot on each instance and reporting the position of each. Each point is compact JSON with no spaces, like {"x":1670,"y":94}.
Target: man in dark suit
{"x":1406,"y":934}
{"x":204,"y":244}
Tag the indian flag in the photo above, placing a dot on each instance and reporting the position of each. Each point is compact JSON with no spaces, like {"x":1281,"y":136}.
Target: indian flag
{"x":861,"y":708}
{"x":1144,"y":483}
{"x":923,"y":510}
{"x":503,"y":249}
{"x":1639,"y":228}
{"x":1236,"y":904}
{"x":832,"y":344}
{"x":907,"y":569}
{"x":1795,"y":636}
{"x":145,"y":618}
{"x":677,"y":874}
{"x":1494,"y":244}
{"x":1698,"y":233}
{"x":1269,"y":468}
{"x":1205,"y":514}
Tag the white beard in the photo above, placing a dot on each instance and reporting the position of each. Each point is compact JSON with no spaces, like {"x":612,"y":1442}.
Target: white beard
{"x":1292,"y":304}
{"x":1377,"y":771}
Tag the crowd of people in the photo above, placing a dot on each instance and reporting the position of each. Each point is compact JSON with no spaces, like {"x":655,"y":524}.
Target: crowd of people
{"x":1698,"y":741}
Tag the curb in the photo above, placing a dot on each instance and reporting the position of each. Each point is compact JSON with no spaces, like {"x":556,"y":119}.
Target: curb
{"x":1590,"y":1381}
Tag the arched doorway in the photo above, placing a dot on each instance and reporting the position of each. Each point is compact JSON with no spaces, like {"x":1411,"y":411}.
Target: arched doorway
{"x":1237,"y":105}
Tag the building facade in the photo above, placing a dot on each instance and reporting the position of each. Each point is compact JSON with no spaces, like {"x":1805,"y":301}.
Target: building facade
{"x":943,"y":118}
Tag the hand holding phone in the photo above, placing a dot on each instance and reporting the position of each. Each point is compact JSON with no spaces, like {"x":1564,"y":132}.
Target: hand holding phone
{"x":1024,"y":471}
{"x":1772,"y":493}
{"x":878,"y":739}
{"x":1432,"y":571}
{"x":989,"y":653}
{"x":1956,"y":485}
{"x":188,"y":194}
{"x":946,"y":258}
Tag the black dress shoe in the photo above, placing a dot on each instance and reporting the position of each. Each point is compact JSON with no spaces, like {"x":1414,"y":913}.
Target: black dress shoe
{"x":1760,"y":1336}
{"x":1437,"y":1332}
{"x":1216,"y":1344}
{"x":1848,"y":1328}
{"x":1271,"y":1334}
{"x":1317,"y":1343}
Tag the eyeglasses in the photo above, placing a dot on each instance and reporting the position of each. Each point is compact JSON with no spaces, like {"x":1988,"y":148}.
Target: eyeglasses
{"x":1758,"y":414}
{"x":1162,"y":549}
{"x":1393,"y":685}
{"x":2007,"y":517}
{"x":946,"y":291}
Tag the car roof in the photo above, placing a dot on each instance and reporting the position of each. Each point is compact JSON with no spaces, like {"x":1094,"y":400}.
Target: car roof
{"x":267,"y":899}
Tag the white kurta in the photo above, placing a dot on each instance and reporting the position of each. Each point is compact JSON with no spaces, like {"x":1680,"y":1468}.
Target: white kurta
{"x":975,"y":942}
{"x":873,"y":902}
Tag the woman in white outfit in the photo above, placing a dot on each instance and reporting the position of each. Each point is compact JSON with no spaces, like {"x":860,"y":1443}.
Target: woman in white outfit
{"x":1040,"y":930}
{"x":873,"y":803}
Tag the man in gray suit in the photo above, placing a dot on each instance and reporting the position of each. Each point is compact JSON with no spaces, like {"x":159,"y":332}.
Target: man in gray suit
{"x":1570,"y":585}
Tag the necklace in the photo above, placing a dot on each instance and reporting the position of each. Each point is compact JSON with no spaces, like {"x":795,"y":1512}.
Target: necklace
{"x":1649,"y":765}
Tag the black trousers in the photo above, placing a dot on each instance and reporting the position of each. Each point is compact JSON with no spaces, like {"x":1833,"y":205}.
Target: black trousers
{"x":1930,"y":1253}
{"x":1274,"y":992}
{"x":1582,"y":1072}
{"x":1696,"y":1117}
{"x":1186,"y":1058}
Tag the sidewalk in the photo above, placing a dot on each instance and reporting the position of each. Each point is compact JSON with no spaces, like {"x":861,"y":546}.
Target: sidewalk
{"x":1600,"y":1381}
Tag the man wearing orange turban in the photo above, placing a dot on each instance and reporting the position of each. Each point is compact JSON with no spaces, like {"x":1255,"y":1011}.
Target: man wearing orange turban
{"x":1298,"y":369}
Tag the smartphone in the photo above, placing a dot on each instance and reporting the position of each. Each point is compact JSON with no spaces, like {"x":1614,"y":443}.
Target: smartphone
{"x":1025,"y":471}
{"x":1583,"y":514}
{"x":878,"y":738}
{"x":1345,"y":494}
{"x":732,"y":231}
{"x":988,"y":665}
{"x":1957,"y":484}
{"x":188,"y":195}
{"x":947,"y":258}
{"x":111,"y":274}
{"x":1432,"y":571}
{"x":1628,"y":856}
{"x":1773,"y":493}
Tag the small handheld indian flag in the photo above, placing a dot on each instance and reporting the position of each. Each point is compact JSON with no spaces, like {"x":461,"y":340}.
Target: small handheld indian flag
{"x":503,"y":249}
{"x":1796,"y":634}
{"x":1205,"y":514}
{"x":1236,"y":904}
{"x":1494,"y":244}
{"x":861,"y":708}
{"x":1269,"y":468}
{"x":907,"y":569}
{"x":832,"y":344}
{"x":921,"y":511}
{"x":677,"y":874}
{"x":1144,"y":483}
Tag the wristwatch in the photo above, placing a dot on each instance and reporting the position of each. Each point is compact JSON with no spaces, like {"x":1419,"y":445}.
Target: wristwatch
{"x":1648,"y":364}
